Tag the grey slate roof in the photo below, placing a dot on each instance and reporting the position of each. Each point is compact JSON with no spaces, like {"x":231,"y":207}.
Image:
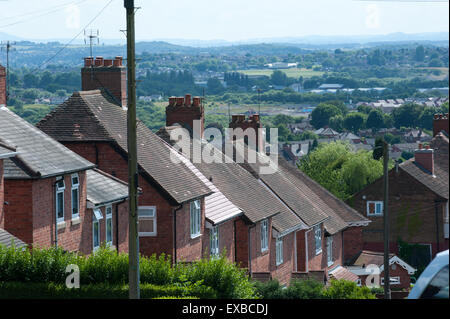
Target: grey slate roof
{"x":39,"y":155}
{"x":7,"y":239}
{"x":438,"y":183}
{"x":91,"y":116}
{"x":103,"y":188}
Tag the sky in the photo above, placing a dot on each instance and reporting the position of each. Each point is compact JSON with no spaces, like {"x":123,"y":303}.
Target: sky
{"x":231,"y":20}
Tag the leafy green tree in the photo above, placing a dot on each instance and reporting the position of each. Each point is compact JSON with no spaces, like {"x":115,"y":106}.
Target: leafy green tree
{"x":321,"y":115}
{"x":407,"y":115}
{"x":279,"y":78}
{"x":337,"y":123}
{"x":214,"y":86}
{"x":354,"y":121}
{"x":375,"y":120}
{"x":344,"y":289}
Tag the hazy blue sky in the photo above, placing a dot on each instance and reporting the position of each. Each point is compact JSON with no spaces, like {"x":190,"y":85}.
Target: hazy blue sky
{"x":222,"y":19}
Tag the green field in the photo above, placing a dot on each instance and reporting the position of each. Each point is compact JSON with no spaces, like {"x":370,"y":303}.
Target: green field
{"x":292,"y":73}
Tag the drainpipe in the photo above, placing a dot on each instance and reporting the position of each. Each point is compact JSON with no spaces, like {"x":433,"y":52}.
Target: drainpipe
{"x":117,"y":227}
{"x":54,"y":213}
{"x":436,"y":211}
{"x":175,"y":233}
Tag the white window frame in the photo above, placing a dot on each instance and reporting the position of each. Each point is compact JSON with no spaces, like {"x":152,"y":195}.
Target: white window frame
{"x":94,"y":222}
{"x":109,"y":216}
{"x":59,"y":190}
{"x":264,"y":235}
{"x":153,"y":218}
{"x":318,"y":239}
{"x":279,"y":251}
{"x":330,"y":260}
{"x":393,"y":280}
{"x":195,"y":218}
{"x":375,"y":202}
{"x":77,"y":188}
{"x":214,"y":241}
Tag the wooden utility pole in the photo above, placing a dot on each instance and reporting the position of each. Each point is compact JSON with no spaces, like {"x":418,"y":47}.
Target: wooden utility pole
{"x":132,"y":156}
{"x":387,"y":289}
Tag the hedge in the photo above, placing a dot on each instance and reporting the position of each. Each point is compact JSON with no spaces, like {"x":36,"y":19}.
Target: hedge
{"x":106,"y":266}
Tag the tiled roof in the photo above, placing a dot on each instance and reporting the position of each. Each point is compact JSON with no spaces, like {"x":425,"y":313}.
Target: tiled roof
{"x":367,"y":257}
{"x":437,"y":183}
{"x":310,"y":201}
{"x":218,"y":208}
{"x":6,"y":239}
{"x":91,"y":116}
{"x":104,"y":189}
{"x":6,"y":151}
{"x":39,"y":155}
{"x":342,"y":273}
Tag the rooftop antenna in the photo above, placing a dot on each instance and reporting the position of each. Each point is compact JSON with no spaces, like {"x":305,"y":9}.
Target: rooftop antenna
{"x":7,"y":46}
{"x":91,"y":35}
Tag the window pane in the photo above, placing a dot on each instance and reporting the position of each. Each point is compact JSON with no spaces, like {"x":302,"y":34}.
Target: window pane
{"x":75,"y":180}
{"x":146,"y":212}
{"x":75,"y":201}
{"x":371,"y":208}
{"x":438,"y":287}
{"x":96,"y":234}
{"x":109,"y":230}
{"x":146,"y":225}
{"x":60,"y":205}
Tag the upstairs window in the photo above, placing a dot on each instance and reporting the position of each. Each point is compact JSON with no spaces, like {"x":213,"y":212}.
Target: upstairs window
{"x":264,"y":235}
{"x":147,"y":221}
{"x":279,"y":251}
{"x":196,"y":222}
{"x":214,"y":242}
{"x":318,"y":239}
{"x":330,"y":250}
{"x":374,"y":208}
{"x":109,"y":226}
{"x":75,"y":196}
{"x":59,"y":200}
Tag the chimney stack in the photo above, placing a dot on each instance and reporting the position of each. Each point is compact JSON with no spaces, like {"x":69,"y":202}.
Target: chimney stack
{"x":253,"y":122}
{"x":2,"y":85}
{"x":108,"y":74}
{"x":440,"y":123}
{"x":184,"y":110}
{"x":424,"y":157}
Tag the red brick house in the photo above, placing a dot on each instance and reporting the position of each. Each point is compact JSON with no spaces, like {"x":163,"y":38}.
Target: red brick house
{"x":94,"y":125}
{"x":400,"y":272}
{"x":300,"y":220}
{"x":418,"y":202}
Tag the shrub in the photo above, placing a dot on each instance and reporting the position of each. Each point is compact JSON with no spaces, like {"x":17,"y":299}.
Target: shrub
{"x":344,"y":289}
{"x":269,"y":290}
{"x":298,"y":289}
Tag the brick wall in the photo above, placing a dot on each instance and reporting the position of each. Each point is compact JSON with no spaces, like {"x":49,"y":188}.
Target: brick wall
{"x":189,"y":249}
{"x":283,"y":272}
{"x":316,"y":261}
{"x":111,"y":162}
{"x":394,"y":271}
{"x":353,"y":242}
{"x":226,"y":240}
{"x":183,"y":111}
{"x":337,"y":250}
{"x":2,"y":190}
{"x":412,"y":215}
{"x":241,"y":229}
{"x":17,"y":214}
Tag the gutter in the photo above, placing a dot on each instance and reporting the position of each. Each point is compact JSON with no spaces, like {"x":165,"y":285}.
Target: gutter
{"x":8,"y":155}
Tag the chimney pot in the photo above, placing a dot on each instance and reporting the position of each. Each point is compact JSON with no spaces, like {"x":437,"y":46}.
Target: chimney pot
{"x":196,"y":101}
{"x":88,"y":61}
{"x":99,"y":61}
{"x":180,"y":101}
{"x":187,"y":100}
{"x":117,"y":61}
{"x":420,"y":146}
{"x":172,"y":101}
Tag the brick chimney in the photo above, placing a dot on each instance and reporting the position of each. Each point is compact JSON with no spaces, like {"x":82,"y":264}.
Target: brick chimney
{"x":440,"y":123}
{"x":108,"y":74}
{"x":424,"y":157}
{"x":2,"y":85}
{"x":253,"y":122}
{"x":184,"y":110}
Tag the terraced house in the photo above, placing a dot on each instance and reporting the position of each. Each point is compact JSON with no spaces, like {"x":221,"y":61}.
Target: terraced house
{"x":50,"y":193}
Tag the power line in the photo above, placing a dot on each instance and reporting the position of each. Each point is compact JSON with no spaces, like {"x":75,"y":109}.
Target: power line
{"x":76,"y":36}
{"x":40,"y":15}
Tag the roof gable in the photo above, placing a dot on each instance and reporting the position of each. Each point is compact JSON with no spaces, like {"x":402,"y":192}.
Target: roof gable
{"x":39,"y":155}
